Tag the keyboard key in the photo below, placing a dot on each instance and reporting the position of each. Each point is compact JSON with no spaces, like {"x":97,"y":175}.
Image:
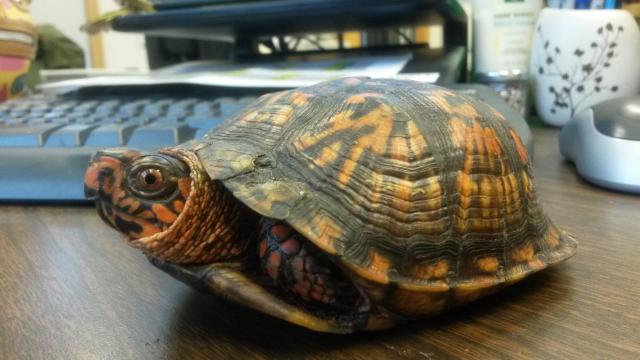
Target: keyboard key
{"x":70,"y":135}
{"x":230,"y":107}
{"x":206,"y":107}
{"x":110,"y":135}
{"x":203,"y":122}
{"x":158,"y":134}
{"x":26,"y":134}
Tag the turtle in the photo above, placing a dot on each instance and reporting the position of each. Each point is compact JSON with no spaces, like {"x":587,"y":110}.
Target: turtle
{"x":350,"y":205}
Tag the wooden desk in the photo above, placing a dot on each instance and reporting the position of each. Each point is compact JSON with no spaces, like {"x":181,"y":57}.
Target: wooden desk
{"x":70,"y":289}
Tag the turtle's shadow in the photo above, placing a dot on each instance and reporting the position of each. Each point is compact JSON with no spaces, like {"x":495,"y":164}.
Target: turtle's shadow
{"x":204,"y":325}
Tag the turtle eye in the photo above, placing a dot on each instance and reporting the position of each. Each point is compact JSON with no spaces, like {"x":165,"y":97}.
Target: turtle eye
{"x":150,"y":180}
{"x":153,"y":177}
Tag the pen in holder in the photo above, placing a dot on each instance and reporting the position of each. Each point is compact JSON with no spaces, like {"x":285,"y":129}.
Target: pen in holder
{"x":580,"y":58}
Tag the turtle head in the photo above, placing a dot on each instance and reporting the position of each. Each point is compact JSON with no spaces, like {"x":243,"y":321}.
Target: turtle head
{"x":138,"y":194}
{"x":166,"y":205}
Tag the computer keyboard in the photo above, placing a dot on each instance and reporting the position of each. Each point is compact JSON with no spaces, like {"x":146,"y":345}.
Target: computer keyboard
{"x":46,"y":140}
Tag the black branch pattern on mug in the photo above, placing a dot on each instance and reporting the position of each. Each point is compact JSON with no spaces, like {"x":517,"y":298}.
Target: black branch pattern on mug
{"x":583,"y":78}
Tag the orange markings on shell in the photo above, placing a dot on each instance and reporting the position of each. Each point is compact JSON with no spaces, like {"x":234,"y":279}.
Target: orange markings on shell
{"x":536,"y":264}
{"x":439,"y":98}
{"x":299,"y":98}
{"x":522,"y":151}
{"x":274,"y":97}
{"x":420,"y":303}
{"x":429,"y":271}
{"x":494,"y":146}
{"x":417,"y":142}
{"x":553,"y":239}
{"x":458,"y":132}
{"x":466,"y":110}
{"x":362,"y":97}
{"x":325,"y":231}
{"x":398,"y":150}
{"x":378,"y":264}
{"x":329,"y":154}
{"x":523,"y":254}
{"x":379,"y":119}
{"x":488,"y":264}
{"x":279,"y":117}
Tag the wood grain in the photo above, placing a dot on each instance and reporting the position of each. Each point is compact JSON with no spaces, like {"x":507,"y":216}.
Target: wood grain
{"x":70,"y":289}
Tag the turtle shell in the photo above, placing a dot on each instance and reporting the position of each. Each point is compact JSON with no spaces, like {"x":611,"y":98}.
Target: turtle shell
{"x":403,"y":183}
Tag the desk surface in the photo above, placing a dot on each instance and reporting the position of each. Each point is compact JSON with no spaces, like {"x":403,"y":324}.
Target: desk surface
{"x":70,"y":289}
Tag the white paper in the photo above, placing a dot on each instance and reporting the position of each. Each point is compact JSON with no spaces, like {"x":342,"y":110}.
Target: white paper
{"x":264,"y":75}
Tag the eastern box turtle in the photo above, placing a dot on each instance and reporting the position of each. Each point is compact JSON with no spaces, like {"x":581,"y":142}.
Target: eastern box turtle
{"x":353,"y":204}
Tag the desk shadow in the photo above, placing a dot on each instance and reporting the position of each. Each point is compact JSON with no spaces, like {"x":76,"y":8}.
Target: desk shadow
{"x":207,"y":327}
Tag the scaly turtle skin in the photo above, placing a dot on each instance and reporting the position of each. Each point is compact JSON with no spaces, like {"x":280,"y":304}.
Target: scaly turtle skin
{"x":350,"y":205}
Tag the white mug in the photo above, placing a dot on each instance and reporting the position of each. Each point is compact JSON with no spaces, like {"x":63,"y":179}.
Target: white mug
{"x":580,"y":58}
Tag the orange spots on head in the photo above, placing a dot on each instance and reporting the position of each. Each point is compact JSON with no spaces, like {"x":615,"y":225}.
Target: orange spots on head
{"x":163,"y":213}
{"x":488,"y":264}
{"x":131,"y":202}
{"x":91,"y":176}
{"x":522,"y":151}
{"x":147,"y":214}
{"x":362,"y":97}
{"x":148,"y":228}
{"x":184,"y":185}
{"x":429,"y":271}
{"x":178,"y":205}
{"x":523,"y":254}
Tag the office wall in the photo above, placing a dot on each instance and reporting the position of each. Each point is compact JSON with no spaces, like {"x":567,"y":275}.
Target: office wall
{"x":121,"y":51}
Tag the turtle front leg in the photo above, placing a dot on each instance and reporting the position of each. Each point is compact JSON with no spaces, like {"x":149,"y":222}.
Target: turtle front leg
{"x":302,"y":270}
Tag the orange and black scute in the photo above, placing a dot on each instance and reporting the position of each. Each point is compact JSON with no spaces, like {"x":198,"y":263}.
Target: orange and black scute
{"x":410,"y":187}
